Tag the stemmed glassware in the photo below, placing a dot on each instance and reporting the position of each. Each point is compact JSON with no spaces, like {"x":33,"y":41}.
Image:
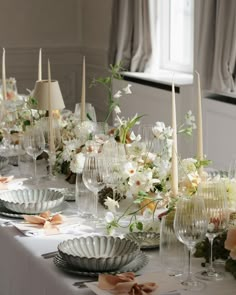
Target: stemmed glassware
{"x":56,"y":139}
{"x":93,"y":177}
{"x":34,"y":144}
{"x":214,"y":196}
{"x":190,"y":225}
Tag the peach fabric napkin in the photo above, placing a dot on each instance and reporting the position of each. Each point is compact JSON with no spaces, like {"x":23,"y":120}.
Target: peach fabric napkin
{"x":125,"y":284}
{"x":47,"y":220}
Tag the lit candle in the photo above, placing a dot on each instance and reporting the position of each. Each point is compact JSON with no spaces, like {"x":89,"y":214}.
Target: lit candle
{"x":82,"y":106}
{"x":174,"y":168}
{"x":50,"y":114}
{"x":40,"y":65}
{"x":4,"y":86}
{"x":199,"y":121}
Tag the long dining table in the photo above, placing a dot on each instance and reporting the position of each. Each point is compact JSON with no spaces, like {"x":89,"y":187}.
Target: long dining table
{"x":24,"y":271}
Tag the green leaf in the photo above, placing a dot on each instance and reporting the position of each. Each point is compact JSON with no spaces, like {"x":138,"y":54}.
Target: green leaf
{"x":139,"y":225}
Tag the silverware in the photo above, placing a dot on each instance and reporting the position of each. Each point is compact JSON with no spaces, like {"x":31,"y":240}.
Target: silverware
{"x":49,"y":254}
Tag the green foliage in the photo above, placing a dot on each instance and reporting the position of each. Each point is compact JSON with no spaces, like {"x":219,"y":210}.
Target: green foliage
{"x":115,"y":73}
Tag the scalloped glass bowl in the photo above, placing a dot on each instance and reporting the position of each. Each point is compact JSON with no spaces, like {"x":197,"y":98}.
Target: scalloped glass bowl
{"x":3,"y":162}
{"x":31,"y":201}
{"x":146,"y":240}
{"x":98,"y":253}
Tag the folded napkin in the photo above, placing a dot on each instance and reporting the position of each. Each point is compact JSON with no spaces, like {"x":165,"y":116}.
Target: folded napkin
{"x":71,"y":225}
{"x":153,"y":283}
{"x":125,"y":284}
{"x":47,"y":221}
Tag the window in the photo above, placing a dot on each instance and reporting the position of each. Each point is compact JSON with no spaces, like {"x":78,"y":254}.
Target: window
{"x":172,"y":35}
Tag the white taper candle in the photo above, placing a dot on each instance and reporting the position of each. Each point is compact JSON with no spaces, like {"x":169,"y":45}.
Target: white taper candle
{"x":174,"y":168}
{"x":4,"y":85}
{"x":83,"y":93}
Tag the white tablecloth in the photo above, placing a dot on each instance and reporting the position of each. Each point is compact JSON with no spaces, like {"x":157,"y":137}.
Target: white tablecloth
{"x":23,"y":271}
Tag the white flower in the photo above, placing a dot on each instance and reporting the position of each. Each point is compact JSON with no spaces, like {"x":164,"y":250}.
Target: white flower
{"x":141,"y":181}
{"x":77,"y":163}
{"x":127,"y":89}
{"x":111,"y":204}
{"x":133,"y":137}
{"x":158,"y":129}
{"x":187,"y":166}
{"x":118,"y":94}
{"x":190,"y":120}
{"x":117,"y":110}
{"x":130,"y":168}
{"x":109,"y":217}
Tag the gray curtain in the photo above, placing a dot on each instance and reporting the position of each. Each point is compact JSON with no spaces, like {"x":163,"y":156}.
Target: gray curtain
{"x":130,"y":41}
{"x":216,"y":44}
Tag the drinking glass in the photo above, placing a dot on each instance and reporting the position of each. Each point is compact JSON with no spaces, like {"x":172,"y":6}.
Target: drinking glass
{"x":89,"y":110}
{"x":172,"y":251}
{"x":151,"y":143}
{"x":93,"y":177}
{"x":84,"y":199}
{"x":55,"y":138}
{"x":214,"y":196}
{"x":190,"y":225}
{"x":34,"y":144}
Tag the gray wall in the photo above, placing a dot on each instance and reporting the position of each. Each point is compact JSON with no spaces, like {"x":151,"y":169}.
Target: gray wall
{"x":65,"y":30}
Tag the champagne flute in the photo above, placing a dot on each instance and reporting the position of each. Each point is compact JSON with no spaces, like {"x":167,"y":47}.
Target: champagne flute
{"x":93,"y":177}
{"x":190,"y":225}
{"x":214,"y":196}
{"x":34,"y":144}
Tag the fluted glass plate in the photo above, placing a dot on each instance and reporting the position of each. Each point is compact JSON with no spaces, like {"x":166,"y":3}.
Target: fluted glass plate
{"x":5,"y":212}
{"x":139,"y":262}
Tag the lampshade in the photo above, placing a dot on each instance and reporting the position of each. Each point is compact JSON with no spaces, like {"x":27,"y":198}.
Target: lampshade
{"x":40,"y":93}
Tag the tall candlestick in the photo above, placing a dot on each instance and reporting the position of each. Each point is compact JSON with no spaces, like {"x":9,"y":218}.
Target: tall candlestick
{"x":174,"y":168}
{"x":82,"y":106}
{"x":40,"y":65}
{"x":4,"y":86}
{"x":50,"y":114}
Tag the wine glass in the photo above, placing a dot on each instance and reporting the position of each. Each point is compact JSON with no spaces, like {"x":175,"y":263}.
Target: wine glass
{"x":151,"y":143}
{"x":190,"y":225}
{"x":52,"y":141}
{"x":214,"y":196}
{"x":34,"y":144}
{"x":89,"y":110}
{"x":93,"y":177}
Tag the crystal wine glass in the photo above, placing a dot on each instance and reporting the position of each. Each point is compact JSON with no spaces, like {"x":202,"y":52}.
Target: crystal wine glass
{"x":93,"y":177}
{"x":214,"y":196}
{"x":190,"y":225}
{"x":34,"y":144}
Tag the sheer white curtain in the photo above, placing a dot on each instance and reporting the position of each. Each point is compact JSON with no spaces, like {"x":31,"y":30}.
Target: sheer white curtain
{"x":216,"y":44}
{"x":130,"y":34}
